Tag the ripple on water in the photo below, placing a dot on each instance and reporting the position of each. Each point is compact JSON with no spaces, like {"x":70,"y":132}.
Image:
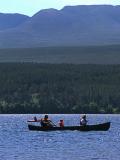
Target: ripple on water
{"x":18,"y":143}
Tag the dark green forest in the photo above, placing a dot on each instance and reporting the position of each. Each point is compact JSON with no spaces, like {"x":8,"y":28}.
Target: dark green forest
{"x":59,"y":88}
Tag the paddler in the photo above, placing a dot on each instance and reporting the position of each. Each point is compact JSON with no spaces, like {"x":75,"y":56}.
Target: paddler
{"x":35,"y":119}
{"x":61,"y":123}
{"x":45,"y":122}
{"x":83,"y":120}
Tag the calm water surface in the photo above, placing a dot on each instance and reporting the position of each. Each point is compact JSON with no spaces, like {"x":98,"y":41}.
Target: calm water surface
{"x":18,"y":143}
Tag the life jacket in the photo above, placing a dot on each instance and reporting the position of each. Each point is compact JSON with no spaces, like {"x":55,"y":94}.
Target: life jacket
{"x":45,"y":122}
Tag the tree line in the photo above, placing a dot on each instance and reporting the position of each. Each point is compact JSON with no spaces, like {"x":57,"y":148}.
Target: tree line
{"x":59,"y":88}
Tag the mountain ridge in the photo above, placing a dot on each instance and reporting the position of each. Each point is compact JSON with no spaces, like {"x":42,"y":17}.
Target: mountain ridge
{"x":8,"y":21}
{"x":72,"y":25}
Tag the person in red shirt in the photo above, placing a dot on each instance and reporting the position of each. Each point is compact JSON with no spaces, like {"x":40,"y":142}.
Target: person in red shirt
{"x":61,"y":123}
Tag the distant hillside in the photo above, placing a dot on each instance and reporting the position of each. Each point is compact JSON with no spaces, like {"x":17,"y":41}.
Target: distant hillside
{"x":72,"y":25}
{"x":75,"y":55}
{"x":8,"y":21}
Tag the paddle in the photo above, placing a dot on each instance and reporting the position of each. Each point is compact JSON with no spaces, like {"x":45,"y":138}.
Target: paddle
{"x":53,"y":124}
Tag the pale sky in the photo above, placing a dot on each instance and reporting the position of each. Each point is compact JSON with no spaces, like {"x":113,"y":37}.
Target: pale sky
{"x":30,"y":7}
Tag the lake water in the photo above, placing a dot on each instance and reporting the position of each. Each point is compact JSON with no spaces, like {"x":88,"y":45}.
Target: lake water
{"x":18,"y":143}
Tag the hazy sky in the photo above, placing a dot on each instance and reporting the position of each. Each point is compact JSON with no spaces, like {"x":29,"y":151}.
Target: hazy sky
{"x":30,"y":7}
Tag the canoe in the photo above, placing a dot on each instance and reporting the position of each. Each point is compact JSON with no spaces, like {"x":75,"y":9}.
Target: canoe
{"x":97,"y":127}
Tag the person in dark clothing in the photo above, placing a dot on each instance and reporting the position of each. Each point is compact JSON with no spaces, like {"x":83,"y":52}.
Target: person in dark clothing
{"x":35,"y":119}
{"x":45,"y":122}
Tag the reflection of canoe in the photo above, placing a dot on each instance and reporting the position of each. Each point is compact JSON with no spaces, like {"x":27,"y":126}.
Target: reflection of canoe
{"x":97,"y":127}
